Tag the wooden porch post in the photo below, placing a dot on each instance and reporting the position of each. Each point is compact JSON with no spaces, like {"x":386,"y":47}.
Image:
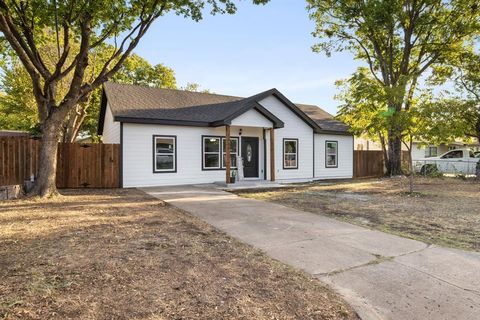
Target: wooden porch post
{"x":272,"y":154}
{"x":227,"y":154}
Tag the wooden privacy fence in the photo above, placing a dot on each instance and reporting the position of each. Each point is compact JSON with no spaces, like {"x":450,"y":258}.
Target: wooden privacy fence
{"x":370,"y":163}
{"x":92,"y":165}
{"x":367,"y":164}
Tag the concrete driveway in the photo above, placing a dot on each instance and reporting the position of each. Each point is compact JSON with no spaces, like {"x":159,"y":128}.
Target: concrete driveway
{"x":381,"y":275}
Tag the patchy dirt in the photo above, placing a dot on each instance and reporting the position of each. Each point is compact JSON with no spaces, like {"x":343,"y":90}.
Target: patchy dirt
{"x":443,"y":211}
{"x":121,"y":254}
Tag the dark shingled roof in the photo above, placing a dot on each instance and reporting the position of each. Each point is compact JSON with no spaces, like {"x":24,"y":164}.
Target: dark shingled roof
{"x":324,"y":119}
{"x":132,"y":103}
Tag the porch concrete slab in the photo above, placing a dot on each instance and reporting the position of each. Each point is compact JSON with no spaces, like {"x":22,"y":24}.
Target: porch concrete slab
{"x":390,"y":290}
{"x":382,"y":276}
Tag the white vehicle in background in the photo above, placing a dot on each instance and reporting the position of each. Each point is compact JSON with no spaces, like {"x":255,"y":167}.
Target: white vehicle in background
{"x":458,"y":161}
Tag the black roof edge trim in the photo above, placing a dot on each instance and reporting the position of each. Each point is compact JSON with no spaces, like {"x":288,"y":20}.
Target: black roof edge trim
{"x":295,"y":109}
{"x":162,"y":121}
{"x":277,"y":123}
{"x":238,"y":113}
{"x":220,"y":123}
{"x":103,"y":110}
{"x":332,"y":132}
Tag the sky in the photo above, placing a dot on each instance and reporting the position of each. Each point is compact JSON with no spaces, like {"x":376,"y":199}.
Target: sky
{"x":258,"y":48}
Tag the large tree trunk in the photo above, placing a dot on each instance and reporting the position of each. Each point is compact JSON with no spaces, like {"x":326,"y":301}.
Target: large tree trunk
{"x":384,"y":149}
{"x":45,"y":183}
{"x":394,"y":161}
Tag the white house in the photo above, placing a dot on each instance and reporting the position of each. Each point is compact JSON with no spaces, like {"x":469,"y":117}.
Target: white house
{"x":174,"y":137}
{"x":424,"y":150}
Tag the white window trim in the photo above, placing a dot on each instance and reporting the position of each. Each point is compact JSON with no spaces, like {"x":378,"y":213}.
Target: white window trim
{"x":155,"y":153}
{"x":290,"y":153}
{"x":218,"y":153}
{"x":331,"y":154}
{"x":224,"y":166}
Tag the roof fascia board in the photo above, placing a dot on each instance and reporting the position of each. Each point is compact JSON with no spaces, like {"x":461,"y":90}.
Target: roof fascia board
{"x":296,"y":110}
{"x":336,"y":133}
{"x":162,"y":121}
{"x":277,"y":123}
{"x":277,"y":94}
{"x":103,"y":110}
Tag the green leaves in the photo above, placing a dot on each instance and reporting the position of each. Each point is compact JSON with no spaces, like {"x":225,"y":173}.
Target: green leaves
{"x":403,"y":44}
{"x":17,"y":103}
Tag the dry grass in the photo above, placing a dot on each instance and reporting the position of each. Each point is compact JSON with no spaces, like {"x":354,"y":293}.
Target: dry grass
{"x":442,"y":211}
{"x":120,"y":254}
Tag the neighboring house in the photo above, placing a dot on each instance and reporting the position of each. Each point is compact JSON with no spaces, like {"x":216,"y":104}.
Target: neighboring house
{"x":362,"y":143}
{"x":425,"y":150}
{"x":419,"y":149}
{"x":173,"y":137}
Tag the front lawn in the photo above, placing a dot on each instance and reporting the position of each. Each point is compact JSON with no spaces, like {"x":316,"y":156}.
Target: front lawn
{"x":442,"y":211}
{"x":121,"y":254}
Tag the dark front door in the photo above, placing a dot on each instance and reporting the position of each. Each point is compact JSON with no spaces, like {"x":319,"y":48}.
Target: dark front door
{"x":250,"y":157}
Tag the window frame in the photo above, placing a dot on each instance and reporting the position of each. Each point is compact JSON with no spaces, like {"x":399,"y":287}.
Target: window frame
{"x":428,"y":151}
{"x":327,"y":154}
{"x":219,"y":152}
{"x":290,"y":153}
{"x":154,"y":147}
{"x":224,"y":165}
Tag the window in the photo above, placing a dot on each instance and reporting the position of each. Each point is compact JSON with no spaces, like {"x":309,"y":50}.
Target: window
{"x":233,"y":152}
{"x":211,"y":152}
{"x":164,"y":153}
{"x":331,"y":154}
{"x":456,"y":154}
{"x":212,"y":149}
{"x":472,"y":154}
{"x":290,"y":153}
{"x":431,"y":152}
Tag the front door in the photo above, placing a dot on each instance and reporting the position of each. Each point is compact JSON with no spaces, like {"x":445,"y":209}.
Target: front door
{"x":250,"y":157}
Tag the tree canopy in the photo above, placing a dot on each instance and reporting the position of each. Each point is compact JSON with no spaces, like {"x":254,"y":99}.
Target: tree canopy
{"x":400,"y":42}
{"x":17,"y":103}
{"x":80,"y":28}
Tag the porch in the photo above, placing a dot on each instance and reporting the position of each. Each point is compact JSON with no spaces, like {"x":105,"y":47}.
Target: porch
{"x":249,"y":158}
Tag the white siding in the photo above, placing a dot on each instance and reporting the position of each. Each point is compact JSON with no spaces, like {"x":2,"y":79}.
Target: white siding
{"x":111,"y":129}
{"x":345,"y":157}
{"x":252,"y":118}
{"x":138,"y":149}
{"x":295,"y":128}
{"x":418,"y":151}
{"x":138,"y":154}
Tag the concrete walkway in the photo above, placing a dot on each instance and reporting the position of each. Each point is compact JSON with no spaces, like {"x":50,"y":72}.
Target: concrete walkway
{"x":381,"y":275}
